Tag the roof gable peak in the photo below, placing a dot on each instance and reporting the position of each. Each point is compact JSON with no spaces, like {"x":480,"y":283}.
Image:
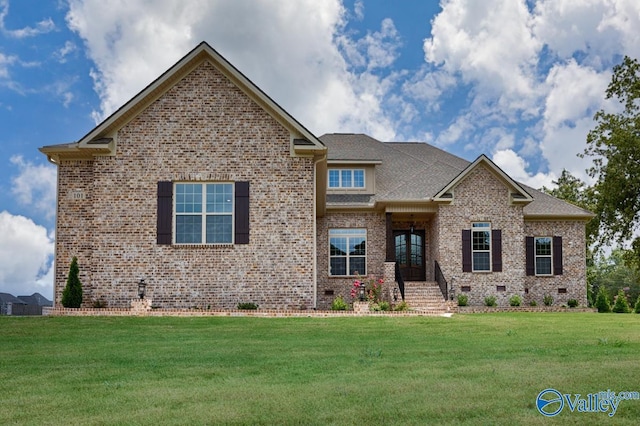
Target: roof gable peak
{"x":518,"y":193}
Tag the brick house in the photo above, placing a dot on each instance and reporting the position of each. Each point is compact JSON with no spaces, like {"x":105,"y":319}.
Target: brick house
{"x":206,"y":188}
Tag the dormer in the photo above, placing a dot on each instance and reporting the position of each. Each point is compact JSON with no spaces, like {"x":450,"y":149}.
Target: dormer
{"x":351,"y":176}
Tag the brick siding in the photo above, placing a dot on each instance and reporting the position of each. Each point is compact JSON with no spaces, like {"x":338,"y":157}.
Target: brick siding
{"x":203,"y":129}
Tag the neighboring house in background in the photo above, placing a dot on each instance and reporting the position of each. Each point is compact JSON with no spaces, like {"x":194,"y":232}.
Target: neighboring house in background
{"x":7,"y":303}
{"x":23,"y":305}
{"x":210,"y":191}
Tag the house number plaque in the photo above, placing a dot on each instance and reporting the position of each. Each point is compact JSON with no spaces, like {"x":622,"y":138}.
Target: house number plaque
{"x":77,"y":194}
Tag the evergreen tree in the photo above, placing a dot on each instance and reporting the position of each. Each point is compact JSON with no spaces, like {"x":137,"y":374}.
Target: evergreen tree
{"x":621,"y":306}
{"x":72,"y":293}
{"x":602,"y":301}
{"x":637,"y":308}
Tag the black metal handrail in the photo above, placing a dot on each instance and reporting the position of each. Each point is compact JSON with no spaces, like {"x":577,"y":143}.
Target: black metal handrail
{"x":442,"y":282}
{"x":399,"y":280}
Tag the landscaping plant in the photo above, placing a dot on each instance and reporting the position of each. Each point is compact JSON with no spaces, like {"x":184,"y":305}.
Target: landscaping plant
{"x":602,"y":301}
{"x":621,"y":306}
{"x":72,"y":293}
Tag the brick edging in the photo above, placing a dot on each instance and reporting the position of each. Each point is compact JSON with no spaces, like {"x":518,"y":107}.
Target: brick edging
{"x":488,"y":310}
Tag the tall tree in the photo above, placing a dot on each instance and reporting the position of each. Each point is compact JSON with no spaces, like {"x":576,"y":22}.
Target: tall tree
{"x":572,"y":190}
{"x":615,"y":145}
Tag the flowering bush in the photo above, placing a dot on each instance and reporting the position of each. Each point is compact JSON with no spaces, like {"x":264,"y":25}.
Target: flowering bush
{"x":372,"y":288}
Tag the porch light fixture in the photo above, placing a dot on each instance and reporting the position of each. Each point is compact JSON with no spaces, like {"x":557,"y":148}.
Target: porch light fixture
{"x":141,"y":288}
{"x":361,"y":292}
{"x":412,"y":228}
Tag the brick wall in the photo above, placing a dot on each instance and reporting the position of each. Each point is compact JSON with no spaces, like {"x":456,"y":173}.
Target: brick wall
{"x":75,"y":226}
{"x":482,"y":197}
{"x":202,"y":129}
{"x":573,"y":277}
{"x":331,"y":287}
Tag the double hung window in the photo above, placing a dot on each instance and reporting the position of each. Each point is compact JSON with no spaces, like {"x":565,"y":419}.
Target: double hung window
{"x":204,"y":213}
{"x":544,"y":255}
{"x":481,"y":246}
{"x":347,"y":252}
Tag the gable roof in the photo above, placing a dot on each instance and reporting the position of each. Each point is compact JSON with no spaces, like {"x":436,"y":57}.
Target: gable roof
{"x":518,"y":194}
{"x":419,"y":173}
{"x":102,"y":140}
{"x":10,"y":298}
{"x":36,"y":299}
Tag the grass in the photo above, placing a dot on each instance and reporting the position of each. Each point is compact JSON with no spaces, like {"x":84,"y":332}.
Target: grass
{"x":469,"y":369}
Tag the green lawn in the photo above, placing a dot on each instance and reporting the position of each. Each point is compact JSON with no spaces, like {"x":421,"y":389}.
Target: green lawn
{"x":469,"y":369}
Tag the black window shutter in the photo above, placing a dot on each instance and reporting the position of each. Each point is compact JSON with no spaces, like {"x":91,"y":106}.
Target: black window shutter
{"x":242,"y":213}
{"x":165,"y":212}
{"x":496,"y":250}
{"x":557,"y":255}
{"x":531,"y":255}
{"x":466,"y":250}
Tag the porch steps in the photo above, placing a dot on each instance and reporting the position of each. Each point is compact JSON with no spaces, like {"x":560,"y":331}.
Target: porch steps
{"x":425,"y":297}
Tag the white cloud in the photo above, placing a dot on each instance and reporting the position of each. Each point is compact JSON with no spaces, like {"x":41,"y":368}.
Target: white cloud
{"x":45,"y":26}
{"x":289,"y":49}
{"x":545,"y":63}
{"x":575,"y":93}
{"x":26,"y":253}
{"x":458,"y":131}
{"x":5,"y":62}
{"x":62,"y":53}
{"x":427,"y":86}
{"x":358,"y":9}
{"x":489,"y":45}
{"x":599,"y":29}
{"x":516,"y":167}
{"x":35,"y":186}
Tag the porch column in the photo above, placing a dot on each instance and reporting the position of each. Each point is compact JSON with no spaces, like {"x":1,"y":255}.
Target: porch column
{"x":391,"y":253}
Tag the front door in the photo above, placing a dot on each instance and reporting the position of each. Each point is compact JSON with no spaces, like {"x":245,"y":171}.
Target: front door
{"x":409,"y":247}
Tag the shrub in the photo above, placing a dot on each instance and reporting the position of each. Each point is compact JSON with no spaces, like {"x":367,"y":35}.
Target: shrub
{"x":533,"y":303}
{"x":602,"y":300}
{"x":621,"y":306}
{"x":339,"y":304}
{"x":99,"y":303}
{"x":72,"y":293}
{"x":463,"y":300}
{"x":384,"y":306}
{"x":247,"y":305}
{"x":401,"y":307}
{"x":547,"y":300}
{"x":572,"y":303}
{"x":490,"y":301}
{"x":515,"y":300}
{"x":636,"y":309}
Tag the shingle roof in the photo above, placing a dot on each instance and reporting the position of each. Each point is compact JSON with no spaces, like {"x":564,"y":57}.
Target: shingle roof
{"x":418,"y":171}
{"x":9,"y":298}
{"x":36,"y":299}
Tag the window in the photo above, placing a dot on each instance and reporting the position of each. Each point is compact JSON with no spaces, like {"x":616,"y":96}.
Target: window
{"x":204,"y":213}
{"x":543,"y":255}
{"x":347,"y":252}
{"x":481,"y":246}
{"x":346,"y":178}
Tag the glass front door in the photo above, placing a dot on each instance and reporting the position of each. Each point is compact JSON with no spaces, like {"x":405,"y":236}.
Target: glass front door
{"x":409,"y":248}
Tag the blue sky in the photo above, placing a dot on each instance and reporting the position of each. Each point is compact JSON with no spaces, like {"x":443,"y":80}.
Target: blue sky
{"x":516,"y":80}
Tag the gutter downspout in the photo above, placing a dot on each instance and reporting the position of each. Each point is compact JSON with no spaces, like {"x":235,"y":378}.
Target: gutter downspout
{"x":315,"y":229}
